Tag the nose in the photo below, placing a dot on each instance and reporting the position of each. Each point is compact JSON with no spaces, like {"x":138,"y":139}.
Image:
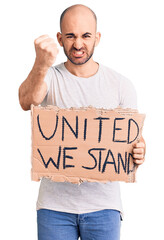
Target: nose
{"x":78,"y":44}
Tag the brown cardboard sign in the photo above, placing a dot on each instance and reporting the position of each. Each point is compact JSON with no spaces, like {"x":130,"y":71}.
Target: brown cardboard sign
{"x":84,"y":144}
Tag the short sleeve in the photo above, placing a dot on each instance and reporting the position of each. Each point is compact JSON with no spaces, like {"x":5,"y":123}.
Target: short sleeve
{"x":128,"y":96}
{"x":48,"y":79}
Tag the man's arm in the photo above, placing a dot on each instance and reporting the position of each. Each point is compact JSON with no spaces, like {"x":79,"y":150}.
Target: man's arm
{"x":34,"y":89}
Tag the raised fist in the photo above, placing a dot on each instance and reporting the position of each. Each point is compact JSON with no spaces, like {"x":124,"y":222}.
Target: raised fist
{"x":46,"y":51}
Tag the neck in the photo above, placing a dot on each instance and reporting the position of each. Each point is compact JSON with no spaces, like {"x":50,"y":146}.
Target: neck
{"x":85,"y":70}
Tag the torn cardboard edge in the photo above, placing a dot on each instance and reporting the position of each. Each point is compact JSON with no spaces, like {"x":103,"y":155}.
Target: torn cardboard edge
{"x":122,"y":111}
{"x":76,"y":180}
{"x":60,"y":177}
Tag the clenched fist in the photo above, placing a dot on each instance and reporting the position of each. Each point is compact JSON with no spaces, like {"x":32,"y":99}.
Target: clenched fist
{"x":46,"y":51}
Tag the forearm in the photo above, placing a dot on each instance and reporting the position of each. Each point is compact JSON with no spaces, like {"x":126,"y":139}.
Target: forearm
{"x":33,"y":89}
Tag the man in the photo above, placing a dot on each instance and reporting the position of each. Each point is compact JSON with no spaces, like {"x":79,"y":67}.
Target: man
{"x":89,"y":210}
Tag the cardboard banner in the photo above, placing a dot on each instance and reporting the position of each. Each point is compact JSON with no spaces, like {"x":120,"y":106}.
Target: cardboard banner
{"x":85,"y":144}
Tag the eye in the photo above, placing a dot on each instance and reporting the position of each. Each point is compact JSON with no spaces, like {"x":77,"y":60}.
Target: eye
{"x":86,"y":36}
{"x":69,"y":36}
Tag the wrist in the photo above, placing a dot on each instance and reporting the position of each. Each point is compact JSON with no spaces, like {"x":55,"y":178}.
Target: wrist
{"x":40,"y":68}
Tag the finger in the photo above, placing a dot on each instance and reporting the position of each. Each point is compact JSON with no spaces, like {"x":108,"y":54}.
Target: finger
{"x":53,"y":50}
{"x":138,"y":150}
{"x":52,"y":46}
{"x":46,"y":43}
{"x":41,"y":38}
{"x":139,"y":145}
{"x":138,"y":156}
{"x":138,"y":161}
{"x":48,"y":40}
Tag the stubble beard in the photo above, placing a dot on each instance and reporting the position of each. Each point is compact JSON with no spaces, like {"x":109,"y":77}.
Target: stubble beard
{"x":86,"y":59}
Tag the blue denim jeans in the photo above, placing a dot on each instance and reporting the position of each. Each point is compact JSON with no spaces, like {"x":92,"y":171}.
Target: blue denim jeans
{"x":100,"y":225}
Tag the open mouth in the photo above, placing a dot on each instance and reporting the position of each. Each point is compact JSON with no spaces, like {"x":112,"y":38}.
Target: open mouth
{"x":78,"y":54}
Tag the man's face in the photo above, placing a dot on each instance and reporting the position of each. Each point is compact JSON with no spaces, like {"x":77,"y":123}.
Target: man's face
{"x":79,"y":49}
{"x":78,"y":37}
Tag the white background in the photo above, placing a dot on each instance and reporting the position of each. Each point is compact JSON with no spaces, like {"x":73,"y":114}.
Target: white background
{"x":133,"y":44}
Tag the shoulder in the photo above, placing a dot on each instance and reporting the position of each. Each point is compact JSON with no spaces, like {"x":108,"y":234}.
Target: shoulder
{"x":123,"y":81}
{"x":52,"y":72}
{"x":57,"y":68}
{"x":127,"y":91}
{"x":118,"y":76}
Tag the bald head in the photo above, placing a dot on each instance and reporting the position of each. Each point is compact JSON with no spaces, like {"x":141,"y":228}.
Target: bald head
{"x":77,"y":9}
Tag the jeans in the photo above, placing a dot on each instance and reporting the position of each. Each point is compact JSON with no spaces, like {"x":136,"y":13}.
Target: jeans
{"x":100,"y":225}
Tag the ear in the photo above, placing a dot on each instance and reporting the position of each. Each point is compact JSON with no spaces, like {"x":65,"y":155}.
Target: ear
{"x":59,"y":38}
{"x":98,"y":36}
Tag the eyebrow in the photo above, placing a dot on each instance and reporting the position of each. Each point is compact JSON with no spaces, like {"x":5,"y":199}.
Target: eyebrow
{"x":69,"y":34}
{"x":72,"y":34}
{"x":87,"y":33}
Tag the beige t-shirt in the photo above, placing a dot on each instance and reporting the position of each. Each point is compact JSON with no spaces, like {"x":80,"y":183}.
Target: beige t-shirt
{"x":106,"y":89}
